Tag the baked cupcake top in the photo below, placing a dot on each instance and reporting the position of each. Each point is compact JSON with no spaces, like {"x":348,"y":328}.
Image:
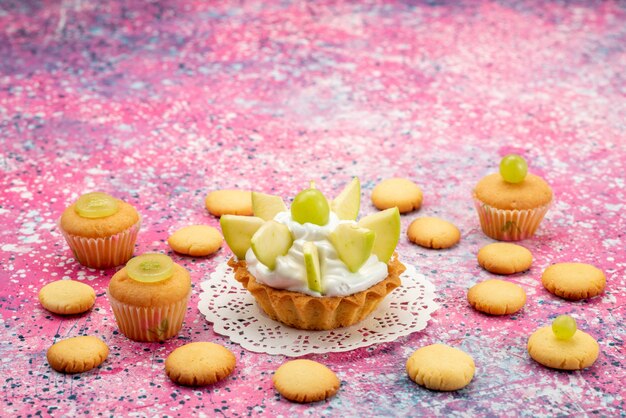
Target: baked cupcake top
{"x":530,"y":193}
{"x":163,"y":292}
{"x":124,"y":217}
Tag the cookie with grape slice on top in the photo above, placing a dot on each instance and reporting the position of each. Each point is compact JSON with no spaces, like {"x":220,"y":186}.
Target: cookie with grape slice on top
{"x":563,"y":346}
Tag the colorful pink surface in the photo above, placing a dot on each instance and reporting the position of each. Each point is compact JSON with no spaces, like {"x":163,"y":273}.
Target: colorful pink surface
{"x":159,"y":103}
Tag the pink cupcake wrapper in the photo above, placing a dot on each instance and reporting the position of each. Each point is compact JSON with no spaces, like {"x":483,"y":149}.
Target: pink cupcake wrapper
{"x":105,"y":252}
{"x":149,"y":323}
{"x":509,"y":225}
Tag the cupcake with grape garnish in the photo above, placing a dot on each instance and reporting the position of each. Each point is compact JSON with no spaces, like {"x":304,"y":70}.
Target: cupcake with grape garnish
{"x":100,"y":230}
{"x":149,"y":297}
{"x":511,"y":203}
{"x":314,"y":266}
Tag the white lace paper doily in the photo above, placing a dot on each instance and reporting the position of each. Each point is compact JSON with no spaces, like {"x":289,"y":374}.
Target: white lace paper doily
{"x":234,"y":313}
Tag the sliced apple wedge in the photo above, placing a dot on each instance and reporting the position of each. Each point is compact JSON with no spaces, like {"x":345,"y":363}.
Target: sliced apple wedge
{"x":312,"y":265}
{"x":346,"y":205}
{"x":266,"y":206}
{"x":238,"y":231}
{"x":272,"y":240}
{"x":353,"y":244}
{"x":386,"y":225}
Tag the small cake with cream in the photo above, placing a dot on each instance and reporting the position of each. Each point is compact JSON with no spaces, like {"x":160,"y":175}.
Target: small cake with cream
{"x":314,"y":266}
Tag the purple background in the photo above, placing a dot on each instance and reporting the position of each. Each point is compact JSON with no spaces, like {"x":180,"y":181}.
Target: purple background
{"x":159,"y":103}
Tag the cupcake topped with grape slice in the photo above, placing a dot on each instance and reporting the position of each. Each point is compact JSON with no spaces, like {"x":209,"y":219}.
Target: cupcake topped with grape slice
{"x":511,"y":203}
{"x":149,"y":297}
{"x":100,"y":230}
{"x":314,"y":266}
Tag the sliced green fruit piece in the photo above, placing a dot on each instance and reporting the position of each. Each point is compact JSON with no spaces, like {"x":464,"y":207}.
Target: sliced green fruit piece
{"x":272,"y":240}
{"x":96,"y":205}
{"x":386,"y":225}
{"x":266,"y":206}
{"x":312,"y":265}
{"x":238,"y":231}
{"x":310,"y":206}
{"x":150,"y":268}
{"x":353,"y":244}
{"x":346,"y":205}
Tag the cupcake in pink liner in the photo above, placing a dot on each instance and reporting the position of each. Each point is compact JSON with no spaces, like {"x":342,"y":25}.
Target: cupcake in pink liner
{"x":100,"y":230}
{"x":149,"y":297}
{"x":511,"y":204}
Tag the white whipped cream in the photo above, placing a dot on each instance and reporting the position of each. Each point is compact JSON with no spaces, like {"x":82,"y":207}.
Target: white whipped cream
{"x":290,"y":272}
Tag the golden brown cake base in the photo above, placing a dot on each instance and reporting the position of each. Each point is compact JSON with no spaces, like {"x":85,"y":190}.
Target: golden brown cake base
{"x":302,"y":311}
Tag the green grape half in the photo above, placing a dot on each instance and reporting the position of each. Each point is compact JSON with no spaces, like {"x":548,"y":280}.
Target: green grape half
{"x":96,"y":205}
{"x":513,"y":168}
{"x":310,"y":206}
{"x":150,"y":268}
{"x":564,"y":327}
